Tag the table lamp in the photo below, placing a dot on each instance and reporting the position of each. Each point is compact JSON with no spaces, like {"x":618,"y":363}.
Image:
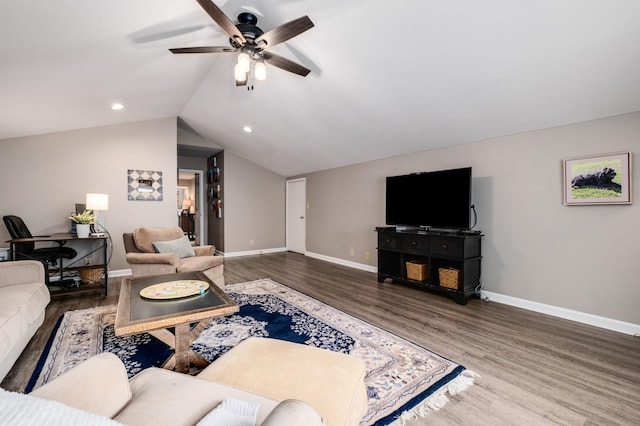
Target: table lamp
{"x":98,"y":203}
{"x":186,"y":204}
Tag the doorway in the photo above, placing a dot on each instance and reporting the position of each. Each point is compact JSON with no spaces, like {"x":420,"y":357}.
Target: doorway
{"x":296,"y":206}
{"x":190,"y":204}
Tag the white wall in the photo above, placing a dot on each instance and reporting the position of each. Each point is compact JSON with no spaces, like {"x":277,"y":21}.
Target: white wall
{"x":583,"y":258}
{"x":42,"y":177}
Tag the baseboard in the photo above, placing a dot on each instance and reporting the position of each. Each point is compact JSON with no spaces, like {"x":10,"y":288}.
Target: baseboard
{"x":343,"y":262}
{"x":120,"y":273}
{"x":581,"y":317}
{"x":252,"y":252}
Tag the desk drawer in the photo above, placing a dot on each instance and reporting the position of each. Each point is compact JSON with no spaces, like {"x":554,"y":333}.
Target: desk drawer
{"x":451,"y":247}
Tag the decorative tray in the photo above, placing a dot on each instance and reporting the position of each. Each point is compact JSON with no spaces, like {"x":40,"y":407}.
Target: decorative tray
{"x":174,"y":289}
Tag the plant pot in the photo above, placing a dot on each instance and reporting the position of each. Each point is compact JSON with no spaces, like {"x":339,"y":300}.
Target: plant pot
{"x":82,"y":230}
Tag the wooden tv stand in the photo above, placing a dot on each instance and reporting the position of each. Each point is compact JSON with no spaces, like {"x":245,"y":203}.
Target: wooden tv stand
{"x":435,"y":250}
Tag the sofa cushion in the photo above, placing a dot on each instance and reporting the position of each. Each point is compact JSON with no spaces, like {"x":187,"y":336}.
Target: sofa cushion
{"x":181,"y":246}
{"x":199,"y":263}
{"x":99,"y":385}
{"x":31,"y":298}
{"x":162,"y":397}
{"x":144,"y":237}
{"x":12,"y":327}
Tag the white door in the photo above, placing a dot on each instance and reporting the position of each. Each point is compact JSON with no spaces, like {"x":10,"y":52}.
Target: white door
{"x":297,"y":215}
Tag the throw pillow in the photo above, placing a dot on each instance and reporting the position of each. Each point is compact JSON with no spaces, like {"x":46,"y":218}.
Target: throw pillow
{"x":181,"y":246}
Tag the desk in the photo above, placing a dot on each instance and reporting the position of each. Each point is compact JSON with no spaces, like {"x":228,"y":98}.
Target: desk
{"x":188,"y":224}
{"x":61,"y":239}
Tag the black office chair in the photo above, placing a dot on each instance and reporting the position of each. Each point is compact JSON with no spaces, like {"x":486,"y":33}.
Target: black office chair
{"x":28,"y":251}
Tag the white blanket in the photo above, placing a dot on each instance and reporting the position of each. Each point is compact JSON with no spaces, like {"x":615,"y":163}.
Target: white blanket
{"x":231,"y":412}
{"x":18,"y":409}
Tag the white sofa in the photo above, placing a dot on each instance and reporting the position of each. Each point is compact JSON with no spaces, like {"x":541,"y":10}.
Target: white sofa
{"x":288,"y":384}
{"x":97,"y":392}
{"x":23,"y":299}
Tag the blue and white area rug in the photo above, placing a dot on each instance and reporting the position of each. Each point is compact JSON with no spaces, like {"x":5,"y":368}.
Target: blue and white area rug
{"x":404,"y":381}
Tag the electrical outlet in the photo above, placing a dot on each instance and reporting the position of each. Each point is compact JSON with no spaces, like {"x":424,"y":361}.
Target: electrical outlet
{"x":87,"y":261}
{"x":251,"y":242}
{"x":367,"y":255}
{"x":352,"y":252}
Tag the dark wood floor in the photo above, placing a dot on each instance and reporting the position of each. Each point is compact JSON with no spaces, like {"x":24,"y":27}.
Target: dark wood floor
{"x":534,"y":369}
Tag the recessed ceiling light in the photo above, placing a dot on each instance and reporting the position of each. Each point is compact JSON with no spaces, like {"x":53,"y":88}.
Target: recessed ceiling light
{"x":247,"y":129}
{"x":117,"y":106}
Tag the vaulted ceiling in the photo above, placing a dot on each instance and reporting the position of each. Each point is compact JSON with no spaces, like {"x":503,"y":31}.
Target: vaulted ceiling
{"x":388,"y":77}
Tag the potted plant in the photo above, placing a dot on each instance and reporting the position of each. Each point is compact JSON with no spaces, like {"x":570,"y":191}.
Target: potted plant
{"x":83,"y":222}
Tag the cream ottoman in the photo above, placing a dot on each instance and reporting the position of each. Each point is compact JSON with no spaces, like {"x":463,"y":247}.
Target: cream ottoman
{"x":330,"y":382}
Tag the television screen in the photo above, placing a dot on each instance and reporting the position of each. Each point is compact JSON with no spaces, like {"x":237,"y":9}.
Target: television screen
{"x":439,"y":199}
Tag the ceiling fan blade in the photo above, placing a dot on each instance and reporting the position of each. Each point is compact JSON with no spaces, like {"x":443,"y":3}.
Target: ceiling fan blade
{"x":285,"y":64}
{"x":284,"y":32}
{"x":223,"y":21}
{"x":204,"y":49}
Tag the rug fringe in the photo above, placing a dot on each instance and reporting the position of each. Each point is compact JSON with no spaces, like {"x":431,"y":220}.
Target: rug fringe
{"x":439,"y":399}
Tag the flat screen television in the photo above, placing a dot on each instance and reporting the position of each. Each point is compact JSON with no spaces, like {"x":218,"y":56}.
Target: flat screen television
{"x":440,"y":199}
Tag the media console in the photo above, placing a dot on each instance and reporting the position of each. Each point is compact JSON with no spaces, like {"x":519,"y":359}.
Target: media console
{"x":457,"y":253}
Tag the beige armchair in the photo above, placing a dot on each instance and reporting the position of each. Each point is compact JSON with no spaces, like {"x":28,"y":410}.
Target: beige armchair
{"x":154,"y":251}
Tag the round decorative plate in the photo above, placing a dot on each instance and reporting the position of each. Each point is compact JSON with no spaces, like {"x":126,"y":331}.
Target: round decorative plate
{"x":174,"y":289}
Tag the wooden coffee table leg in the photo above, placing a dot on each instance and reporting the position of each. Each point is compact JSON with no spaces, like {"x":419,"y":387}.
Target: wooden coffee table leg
{"x":183,"y":357}
{"x":182,"y":348}
{"x":197,"y":360}
{"x":199,"y":328}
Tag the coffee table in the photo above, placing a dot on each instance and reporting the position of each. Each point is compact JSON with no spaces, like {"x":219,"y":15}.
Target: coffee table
{"x":176,"y":322}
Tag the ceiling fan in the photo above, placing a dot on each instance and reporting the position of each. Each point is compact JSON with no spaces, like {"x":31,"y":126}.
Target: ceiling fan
{"x":252,"y":43}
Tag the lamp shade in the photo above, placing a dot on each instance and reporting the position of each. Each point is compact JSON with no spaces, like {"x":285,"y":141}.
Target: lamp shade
{"x":244,"y":62}
{"x":239,"y":74}
{"x":97,"y":202}
{"x":260,"y":70}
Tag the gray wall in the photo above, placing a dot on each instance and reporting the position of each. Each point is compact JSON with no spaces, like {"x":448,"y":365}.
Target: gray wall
{"x":254,"y":206}
{"x":42,"y":177}
{"x":535,"y":248}
{"x":583,"y":258}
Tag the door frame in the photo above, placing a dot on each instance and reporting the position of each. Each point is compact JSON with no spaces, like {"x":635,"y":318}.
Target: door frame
{"x":200,"y":207}
{"x":287,"y":210}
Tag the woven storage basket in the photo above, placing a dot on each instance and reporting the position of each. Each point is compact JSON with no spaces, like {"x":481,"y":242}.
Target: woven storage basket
{"x":449,"y":278}
{"x":417,"y":270}
{"x":91,"y":275}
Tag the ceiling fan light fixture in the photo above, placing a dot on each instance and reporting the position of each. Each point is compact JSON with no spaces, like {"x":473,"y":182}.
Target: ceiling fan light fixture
{"x":250,"y":42}
{"x":239,"y":74}
{"x":260,"y":70}
{"x":244,"y":62}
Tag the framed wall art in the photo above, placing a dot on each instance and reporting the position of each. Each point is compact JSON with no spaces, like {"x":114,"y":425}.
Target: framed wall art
{"x":597,"y":179}
{"x":144,"y":185}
